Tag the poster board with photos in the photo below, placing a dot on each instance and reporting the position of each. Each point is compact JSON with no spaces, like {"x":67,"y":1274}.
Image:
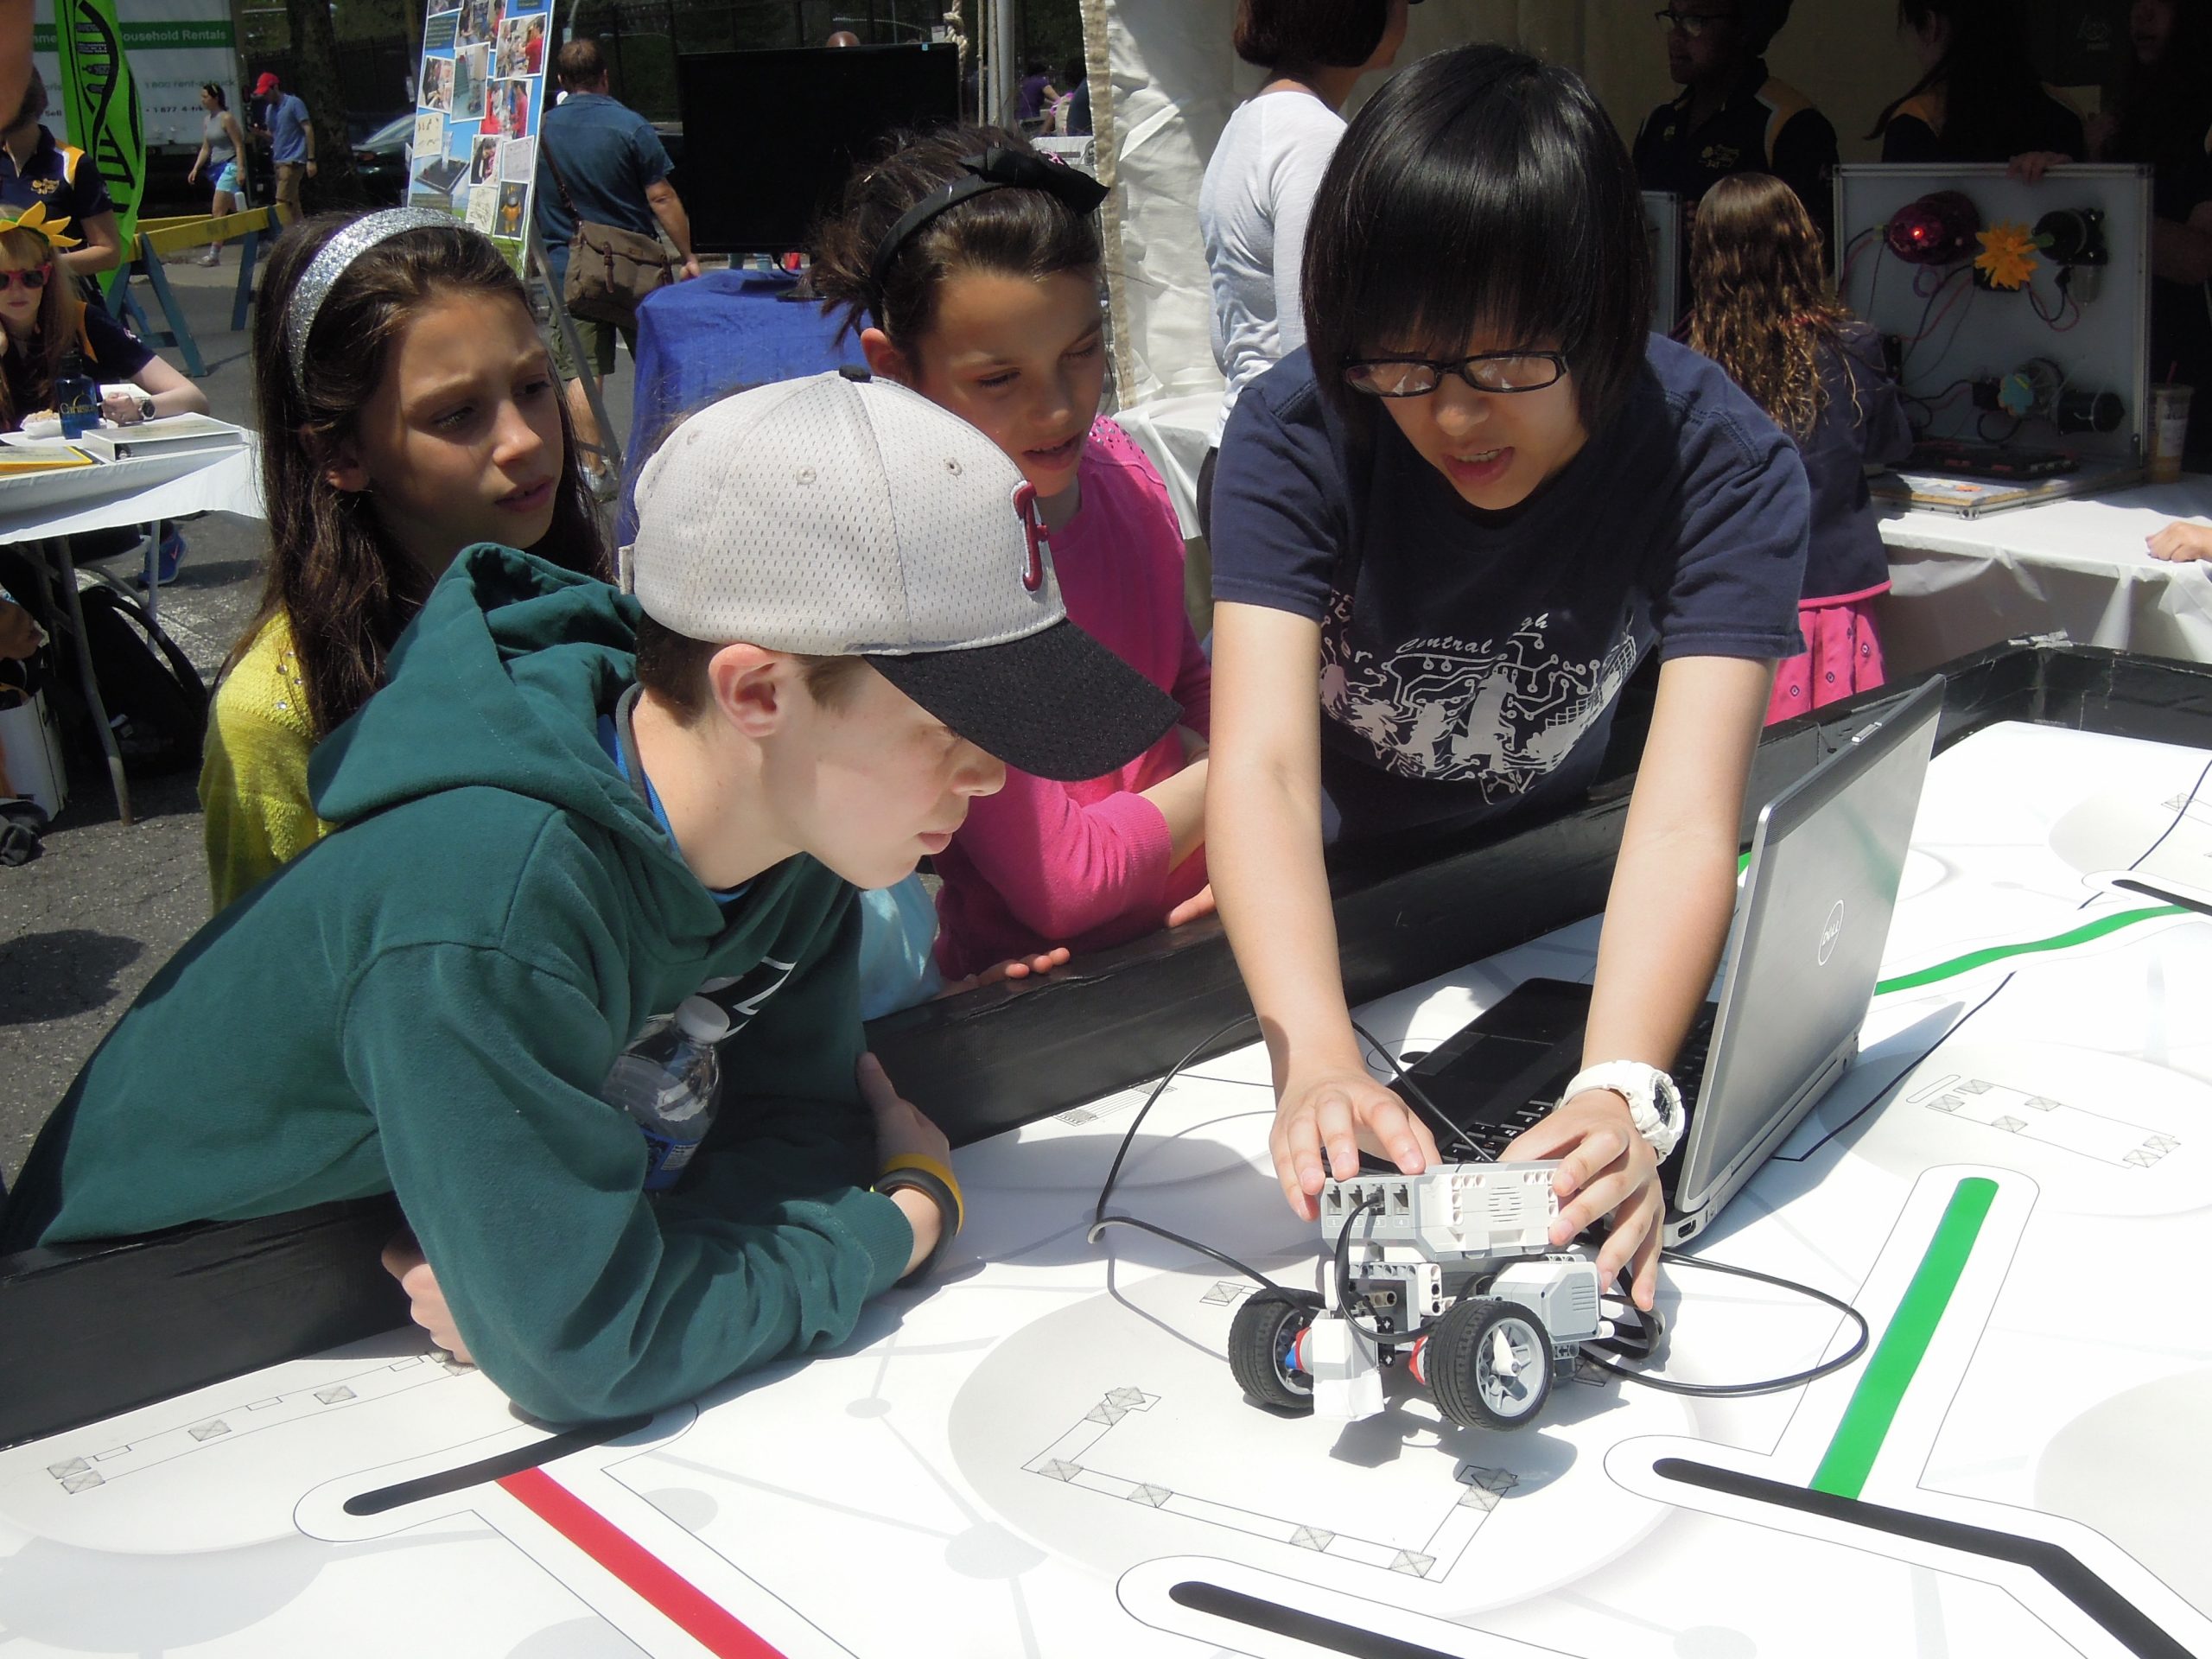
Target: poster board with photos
{"x":480,"y":100}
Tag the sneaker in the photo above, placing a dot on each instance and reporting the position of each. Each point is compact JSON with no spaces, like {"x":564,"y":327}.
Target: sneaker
{"x":212,"y":257}
{"x":22,"y":820}
{"x":171,"y":556}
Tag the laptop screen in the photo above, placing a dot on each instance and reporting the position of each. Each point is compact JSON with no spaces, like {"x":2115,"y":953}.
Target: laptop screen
{"x":1806,"y":947}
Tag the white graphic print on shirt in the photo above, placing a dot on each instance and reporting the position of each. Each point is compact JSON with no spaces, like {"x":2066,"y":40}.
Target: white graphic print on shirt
{"x":1501,"y":714}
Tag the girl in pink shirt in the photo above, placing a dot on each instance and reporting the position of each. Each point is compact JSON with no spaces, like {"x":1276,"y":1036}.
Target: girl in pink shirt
{"x":969,"y":266}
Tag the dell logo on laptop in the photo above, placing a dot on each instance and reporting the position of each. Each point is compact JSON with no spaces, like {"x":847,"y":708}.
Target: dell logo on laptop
{"x":1831,"y":931}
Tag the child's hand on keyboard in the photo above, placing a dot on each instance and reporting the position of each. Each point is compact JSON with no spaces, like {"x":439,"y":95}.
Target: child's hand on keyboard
{"x":1605,"y":1168}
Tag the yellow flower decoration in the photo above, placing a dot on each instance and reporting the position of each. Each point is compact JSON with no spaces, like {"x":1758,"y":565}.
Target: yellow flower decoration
{"x":2007,"y":255}
{"x":33,"y":219}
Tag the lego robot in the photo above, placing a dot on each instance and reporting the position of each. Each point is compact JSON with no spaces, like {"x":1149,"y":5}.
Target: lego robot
{"x":1452,"y":1271}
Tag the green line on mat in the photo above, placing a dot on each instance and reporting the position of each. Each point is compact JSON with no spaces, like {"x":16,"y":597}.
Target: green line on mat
{"x":1874,"y":1402}
{"x":1982,"y":958}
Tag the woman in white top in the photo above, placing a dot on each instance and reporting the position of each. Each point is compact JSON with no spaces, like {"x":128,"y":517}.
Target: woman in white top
{"x":1259,"y":186}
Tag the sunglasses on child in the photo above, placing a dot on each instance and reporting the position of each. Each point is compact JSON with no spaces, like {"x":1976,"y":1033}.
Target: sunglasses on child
{"x":1690,"y":24}
{"x":1416,"y":377}
{"x":34,"y":279}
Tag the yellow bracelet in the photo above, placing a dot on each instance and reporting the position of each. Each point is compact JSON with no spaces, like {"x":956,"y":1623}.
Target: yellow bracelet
{"x":940,"y":1169}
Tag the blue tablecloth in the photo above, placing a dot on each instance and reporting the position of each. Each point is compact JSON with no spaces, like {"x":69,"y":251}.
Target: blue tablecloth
{"x":718,"y":333}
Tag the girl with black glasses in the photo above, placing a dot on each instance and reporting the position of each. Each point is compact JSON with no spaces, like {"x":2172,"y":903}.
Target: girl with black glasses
{"x":1482,"y":496}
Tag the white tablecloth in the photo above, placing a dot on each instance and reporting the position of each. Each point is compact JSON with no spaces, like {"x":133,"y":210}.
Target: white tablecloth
{"x":38,"y":506}
{"x":2077,"y":566}
{"x":1176,"y":433}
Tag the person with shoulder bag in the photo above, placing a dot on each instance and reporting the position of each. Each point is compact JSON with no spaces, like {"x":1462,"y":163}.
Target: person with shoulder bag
{"x":601,"y":224}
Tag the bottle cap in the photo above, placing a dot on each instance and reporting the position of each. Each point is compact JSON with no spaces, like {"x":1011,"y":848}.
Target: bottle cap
{"x":701,"y":1020}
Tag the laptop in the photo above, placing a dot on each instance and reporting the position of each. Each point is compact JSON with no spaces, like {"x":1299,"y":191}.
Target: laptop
{"x":2000,"y":461}
{"x":1804,"y":954}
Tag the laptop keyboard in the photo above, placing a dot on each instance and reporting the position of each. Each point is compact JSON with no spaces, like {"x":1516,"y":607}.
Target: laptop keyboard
{"x":1495,"y":1132}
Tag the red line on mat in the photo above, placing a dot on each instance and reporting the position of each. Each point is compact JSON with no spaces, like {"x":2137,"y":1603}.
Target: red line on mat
{"x":682,"y":1603}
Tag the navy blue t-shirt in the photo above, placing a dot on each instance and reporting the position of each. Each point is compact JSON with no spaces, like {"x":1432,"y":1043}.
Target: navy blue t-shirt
{"x":1863,"y":420}
{"x":1471,"y":661}
{"x":607,"y":153}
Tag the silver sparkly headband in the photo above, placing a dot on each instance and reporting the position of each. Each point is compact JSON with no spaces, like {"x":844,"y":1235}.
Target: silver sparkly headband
{"x":330,"y":262}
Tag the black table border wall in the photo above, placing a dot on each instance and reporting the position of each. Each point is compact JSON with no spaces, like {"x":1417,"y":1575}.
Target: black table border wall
{"x":92,"y":1330}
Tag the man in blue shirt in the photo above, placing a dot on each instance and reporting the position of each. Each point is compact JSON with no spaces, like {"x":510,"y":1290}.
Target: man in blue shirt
{"x":604,"y":162}
{"x":291,"y":142}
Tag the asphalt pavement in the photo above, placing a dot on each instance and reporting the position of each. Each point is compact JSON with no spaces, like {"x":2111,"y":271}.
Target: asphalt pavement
{"x":84,"y":928}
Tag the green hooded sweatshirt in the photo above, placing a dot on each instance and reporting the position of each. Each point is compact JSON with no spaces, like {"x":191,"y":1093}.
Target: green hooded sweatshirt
{"x":427,"y":1002}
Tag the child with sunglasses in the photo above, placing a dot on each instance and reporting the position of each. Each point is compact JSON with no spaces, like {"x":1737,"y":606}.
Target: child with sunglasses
{"x":44,"y":320}
{"x":1481,"y":496}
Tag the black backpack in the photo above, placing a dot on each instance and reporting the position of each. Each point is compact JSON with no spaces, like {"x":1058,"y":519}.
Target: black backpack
{"x":157,"y":704}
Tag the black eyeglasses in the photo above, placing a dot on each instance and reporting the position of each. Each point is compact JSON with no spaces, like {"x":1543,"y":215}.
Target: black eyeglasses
{"x":1416,"y":377}
{"x":1691,"y":24}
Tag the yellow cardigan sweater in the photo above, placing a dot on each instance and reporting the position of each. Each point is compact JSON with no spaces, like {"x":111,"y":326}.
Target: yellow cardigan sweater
{"x":253,"y":779}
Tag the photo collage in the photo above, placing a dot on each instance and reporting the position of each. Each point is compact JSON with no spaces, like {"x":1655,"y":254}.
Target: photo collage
{"x":482,"y":94}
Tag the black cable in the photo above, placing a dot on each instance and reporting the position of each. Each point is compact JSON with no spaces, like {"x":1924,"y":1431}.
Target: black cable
{"x":1903,"y":1071}
{"x":2180,"y":815}
{"x":2187,"y":801}
{"x":1731,"y":1391}
{"x":1930,"y":401}
{"x":1222,"y":1256}
{"x":1351,"y":1308}
{"x":1414,"y":1092}
{"x":1113,"y":1174}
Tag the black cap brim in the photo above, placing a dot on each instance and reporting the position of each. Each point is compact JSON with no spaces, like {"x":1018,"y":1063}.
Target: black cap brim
{"x":1055,"y":704}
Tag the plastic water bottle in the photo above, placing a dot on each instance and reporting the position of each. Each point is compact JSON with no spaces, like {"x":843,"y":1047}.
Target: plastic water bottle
{"x":655,"y":1039}
{"x":671,"y":1099}
{"x":76,"y":396}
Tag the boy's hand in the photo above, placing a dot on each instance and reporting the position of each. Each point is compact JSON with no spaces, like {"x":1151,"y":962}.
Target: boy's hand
{"x":900,"y":1128}
{"x":1605,"y":1168}
{"x":403,"y":1259}
{"x":899,"y":1125}
{"x":1326,"y":1113}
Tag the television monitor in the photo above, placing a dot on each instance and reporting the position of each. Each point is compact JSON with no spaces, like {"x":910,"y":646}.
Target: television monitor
{"x":770,"y":136}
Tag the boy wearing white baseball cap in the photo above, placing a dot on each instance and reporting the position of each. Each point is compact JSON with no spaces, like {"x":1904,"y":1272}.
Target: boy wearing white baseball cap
{"x":568,"y":810}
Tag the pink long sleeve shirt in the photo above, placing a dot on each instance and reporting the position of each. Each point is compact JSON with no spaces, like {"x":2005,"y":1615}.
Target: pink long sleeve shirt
{"x":1086,"y":865}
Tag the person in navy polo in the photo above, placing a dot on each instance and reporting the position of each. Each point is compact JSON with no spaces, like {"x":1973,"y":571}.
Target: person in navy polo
{"x":33,"y":167}
{"x":1731,"y":116}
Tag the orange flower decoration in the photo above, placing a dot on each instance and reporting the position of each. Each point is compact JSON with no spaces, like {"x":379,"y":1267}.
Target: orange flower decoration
{"x":2008,"y":255}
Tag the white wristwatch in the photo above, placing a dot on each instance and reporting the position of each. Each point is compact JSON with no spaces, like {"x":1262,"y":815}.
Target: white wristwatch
{"x":1655,"y":1105}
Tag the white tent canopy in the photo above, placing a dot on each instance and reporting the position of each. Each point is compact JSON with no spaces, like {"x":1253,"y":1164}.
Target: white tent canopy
{"x":1164,"y":79}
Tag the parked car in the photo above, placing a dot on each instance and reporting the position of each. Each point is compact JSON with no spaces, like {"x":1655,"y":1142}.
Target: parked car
{"x":380,"y":160}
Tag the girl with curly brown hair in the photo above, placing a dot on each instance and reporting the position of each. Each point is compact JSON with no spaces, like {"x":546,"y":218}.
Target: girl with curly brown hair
{"x":1760,"y":311}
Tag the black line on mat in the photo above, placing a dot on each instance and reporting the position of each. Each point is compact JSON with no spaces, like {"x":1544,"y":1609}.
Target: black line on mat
{"x":491,"y":1469}
{"x":2058,"y":1566}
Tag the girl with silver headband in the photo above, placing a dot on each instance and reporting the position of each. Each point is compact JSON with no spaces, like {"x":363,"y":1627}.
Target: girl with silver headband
{"x":407,"y":409}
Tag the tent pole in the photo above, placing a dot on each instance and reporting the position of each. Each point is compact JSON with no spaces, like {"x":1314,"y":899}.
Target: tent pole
{"x":1005,"y":59}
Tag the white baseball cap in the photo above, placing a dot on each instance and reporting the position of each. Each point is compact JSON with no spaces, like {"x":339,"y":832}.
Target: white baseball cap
{"x":842,"y":516}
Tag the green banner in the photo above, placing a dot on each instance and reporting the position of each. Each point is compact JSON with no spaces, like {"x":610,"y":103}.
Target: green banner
{"x":102,"y":99}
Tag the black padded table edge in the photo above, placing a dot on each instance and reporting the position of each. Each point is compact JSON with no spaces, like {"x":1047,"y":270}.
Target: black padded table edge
{"x":93,"y":1330}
